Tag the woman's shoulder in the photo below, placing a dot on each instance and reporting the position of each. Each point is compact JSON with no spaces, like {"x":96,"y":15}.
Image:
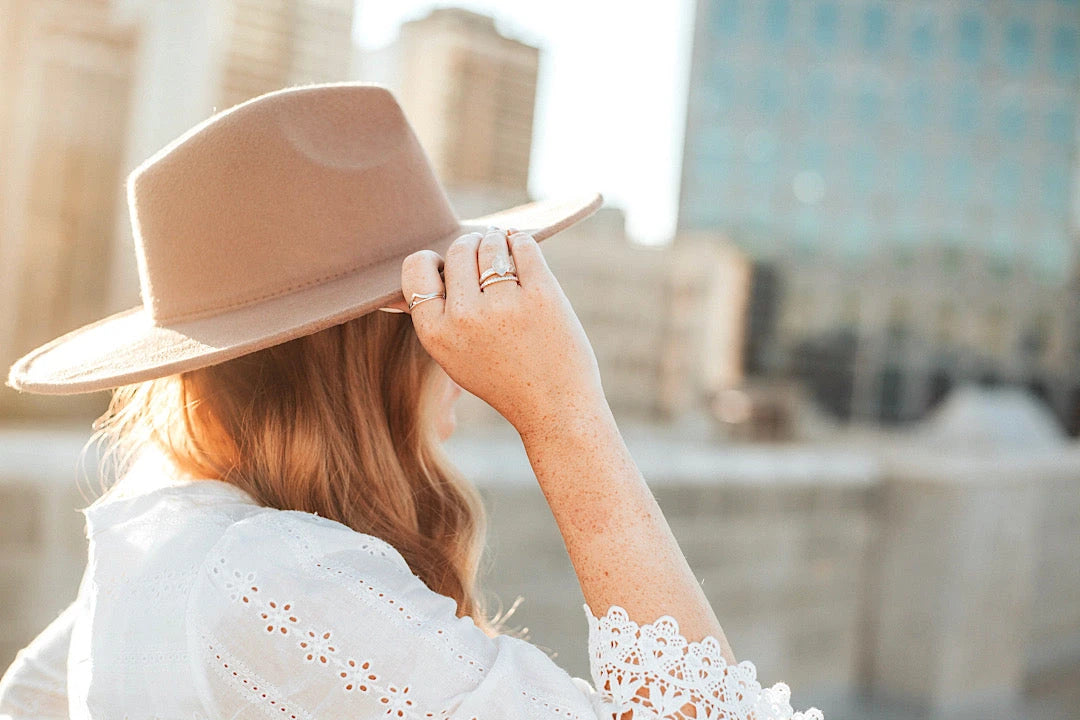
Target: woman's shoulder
{"x":300,"y":543}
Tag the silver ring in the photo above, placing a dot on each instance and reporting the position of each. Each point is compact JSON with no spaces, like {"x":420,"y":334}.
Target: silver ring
{"x":497,"y":279}
{"x":418,"y":298}
{"x":500,"y":266}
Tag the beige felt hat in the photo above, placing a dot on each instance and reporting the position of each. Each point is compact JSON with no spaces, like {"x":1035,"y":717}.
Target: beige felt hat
{"x":277,"y":218}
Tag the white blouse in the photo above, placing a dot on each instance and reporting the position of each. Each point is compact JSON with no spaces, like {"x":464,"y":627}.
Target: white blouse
{"x":199,"y":603}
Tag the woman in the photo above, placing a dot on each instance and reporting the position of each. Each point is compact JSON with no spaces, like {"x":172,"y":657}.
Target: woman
{"x":287,"y":538}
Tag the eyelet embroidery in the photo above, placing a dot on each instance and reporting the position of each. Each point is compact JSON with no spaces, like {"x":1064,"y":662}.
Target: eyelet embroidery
{"x":317,"y":647}
{"x":348,"y":578}
{"x":253,"y":688}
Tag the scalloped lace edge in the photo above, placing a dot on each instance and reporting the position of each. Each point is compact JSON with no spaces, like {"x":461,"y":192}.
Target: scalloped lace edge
{"x":625,"y":656}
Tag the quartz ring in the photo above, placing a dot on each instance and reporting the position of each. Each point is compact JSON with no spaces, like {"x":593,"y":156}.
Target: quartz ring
{"x":502,"y":265}
{"x":418,"y":298}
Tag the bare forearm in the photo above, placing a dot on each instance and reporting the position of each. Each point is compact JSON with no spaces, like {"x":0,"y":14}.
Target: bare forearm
{"x":618,"y":540}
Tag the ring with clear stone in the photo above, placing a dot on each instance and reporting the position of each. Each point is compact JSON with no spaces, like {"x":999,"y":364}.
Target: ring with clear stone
{"x":498,"y":279}
{"x":501,"y":265}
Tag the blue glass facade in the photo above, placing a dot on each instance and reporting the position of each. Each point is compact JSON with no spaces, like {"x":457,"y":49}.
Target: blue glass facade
{"x":906,"y":121}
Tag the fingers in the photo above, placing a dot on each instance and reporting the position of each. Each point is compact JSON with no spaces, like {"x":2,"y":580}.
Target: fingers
{"x":494,"y":255}
{"x":462,"y":287}
{"x":532,"y":268}
{"x":420,"y":276}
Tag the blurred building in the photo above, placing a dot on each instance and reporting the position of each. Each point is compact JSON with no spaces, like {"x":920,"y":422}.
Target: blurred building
{"x":900,"y":172}
{"x":665,"y":322}
{"x":470,"y":94}
{"x":90,"y":88}
{"x":271,"y":44}
{"x":66,"y":77}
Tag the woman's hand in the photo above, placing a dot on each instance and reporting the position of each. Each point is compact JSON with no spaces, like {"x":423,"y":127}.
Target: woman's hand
{"x":516,"y":345}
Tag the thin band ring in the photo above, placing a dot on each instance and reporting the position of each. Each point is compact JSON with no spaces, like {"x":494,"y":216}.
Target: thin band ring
{"x":497,"y":279}
{"x":418,"y":298}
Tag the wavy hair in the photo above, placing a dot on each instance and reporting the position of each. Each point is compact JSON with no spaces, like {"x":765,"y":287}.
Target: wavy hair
{"x":338,"y":423}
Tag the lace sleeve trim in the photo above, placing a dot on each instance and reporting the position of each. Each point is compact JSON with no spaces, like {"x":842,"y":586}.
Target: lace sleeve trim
{"x":654,"y":672}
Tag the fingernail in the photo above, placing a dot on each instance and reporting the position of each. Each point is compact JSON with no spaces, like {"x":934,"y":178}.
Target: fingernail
{"x":391,"y":310}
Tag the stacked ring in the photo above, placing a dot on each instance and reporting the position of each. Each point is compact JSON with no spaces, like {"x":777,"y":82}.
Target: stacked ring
{"x":498,"y":279}
{"x":502,"y":268}
{"x":418,"y":298}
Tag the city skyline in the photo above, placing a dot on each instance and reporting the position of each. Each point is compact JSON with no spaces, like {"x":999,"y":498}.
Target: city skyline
{"x":598,"y":93}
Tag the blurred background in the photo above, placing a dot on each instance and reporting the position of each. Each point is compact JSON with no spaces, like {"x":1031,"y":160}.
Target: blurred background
{"x":834,"y":294}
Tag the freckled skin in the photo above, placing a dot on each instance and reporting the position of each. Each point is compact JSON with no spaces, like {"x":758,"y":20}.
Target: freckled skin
{"x":521,"y":348}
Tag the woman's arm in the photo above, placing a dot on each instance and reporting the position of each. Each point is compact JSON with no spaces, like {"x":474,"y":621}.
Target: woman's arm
{"x":656,"y":648}
{"x":618,"y":540}
{"x":522,"y":349}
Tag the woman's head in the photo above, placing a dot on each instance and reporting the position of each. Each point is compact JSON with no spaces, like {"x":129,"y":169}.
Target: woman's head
{"x":345,"y":423}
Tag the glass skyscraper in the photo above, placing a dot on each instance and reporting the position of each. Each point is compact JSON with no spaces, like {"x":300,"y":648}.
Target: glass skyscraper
{"x":868,"y":128}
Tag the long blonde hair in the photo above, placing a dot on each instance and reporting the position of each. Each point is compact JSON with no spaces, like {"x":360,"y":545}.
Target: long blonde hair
{"x":337,"y":423}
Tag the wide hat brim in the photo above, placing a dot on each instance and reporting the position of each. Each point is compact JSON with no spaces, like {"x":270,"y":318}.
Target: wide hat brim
{"x":128,"y":347}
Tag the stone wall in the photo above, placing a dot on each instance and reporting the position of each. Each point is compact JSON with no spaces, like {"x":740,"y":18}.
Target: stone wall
{"x":935,"y":586}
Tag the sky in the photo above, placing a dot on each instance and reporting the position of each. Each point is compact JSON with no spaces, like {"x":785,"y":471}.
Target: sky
{"x":611,"y":95}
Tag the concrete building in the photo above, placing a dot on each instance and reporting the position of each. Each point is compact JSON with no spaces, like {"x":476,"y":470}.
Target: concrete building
{"x":470,"y":94}
{"x":271,"y":44}
{"x":66,"y":79}
{"x":87,"y":91}
{"x":665,"y":322}
{"x":895,"y":161}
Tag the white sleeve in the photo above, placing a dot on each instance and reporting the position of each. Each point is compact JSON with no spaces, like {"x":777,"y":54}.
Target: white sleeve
{"x":35,"y":685}
{"x":297,"y":616}
{"x":652,"y":670}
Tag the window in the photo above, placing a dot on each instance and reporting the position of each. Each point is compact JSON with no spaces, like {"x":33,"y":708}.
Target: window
{"x":1055,"y":185}
{"x":1060,"y":128}
{"x":969,"y":37}
{"x":720,"y":91}
{"x":725,"y":17}
{"x":777,"y":20}
{"x":1063,"y":58}
{"x":863,"y":167}
{"x":1011,"y":121}
{"x":966,"y":110}
{"x":716,"y":142}
{"x":868,"y":105}
{"x":1052,"y":256}
{"x":891,"y":383}
{"x":912,"y":174}
{"x":922,"y":38}
{"x":1000,"y":251}
{"x":826,"y":24}
{"x":772,"y":92}
{"x":961,"y":177}
{"x":812,"y":156}
{"x":918,"y":107}
{"x":819,"y":93}
{"x":857,"y":235}
{"x":1007,"y":183}
{"x":875,"y":28}
{"x":1019,"y":44}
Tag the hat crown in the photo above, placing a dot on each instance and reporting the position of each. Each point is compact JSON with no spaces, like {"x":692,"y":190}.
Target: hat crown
{"x":285,"y":191}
